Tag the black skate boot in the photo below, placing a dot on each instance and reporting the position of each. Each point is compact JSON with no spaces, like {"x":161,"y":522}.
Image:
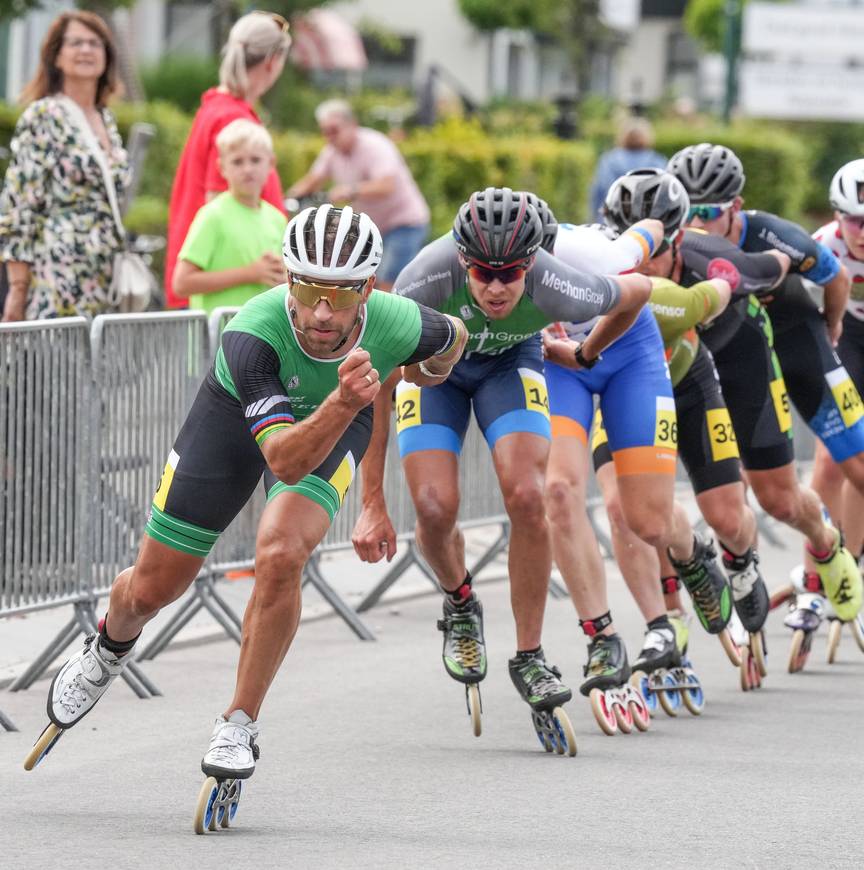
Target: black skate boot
{"x":464,"y":650}
{"x":749,"y":593}
{"x":607,"y":666}
{"x":711,"y":595}
{"x":538,"y":683}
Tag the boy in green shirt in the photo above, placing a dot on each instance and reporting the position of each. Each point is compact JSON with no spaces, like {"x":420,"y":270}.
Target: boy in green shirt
{"x":233,"y":249}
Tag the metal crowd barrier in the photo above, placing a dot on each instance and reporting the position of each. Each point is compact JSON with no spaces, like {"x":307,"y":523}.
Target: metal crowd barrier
{"x":87,"y":417}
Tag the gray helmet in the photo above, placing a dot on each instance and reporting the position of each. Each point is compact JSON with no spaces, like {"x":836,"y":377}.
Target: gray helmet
{"x":497,"y":226}
{"x":646,"y":193}
{"x":547,"y":218}
{"x":711,"y":173}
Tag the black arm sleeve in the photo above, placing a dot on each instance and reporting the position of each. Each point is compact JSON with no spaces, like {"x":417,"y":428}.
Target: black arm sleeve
{"x":437,"y":335}
{"x":707,"y":256}
{"x":254,"y":367}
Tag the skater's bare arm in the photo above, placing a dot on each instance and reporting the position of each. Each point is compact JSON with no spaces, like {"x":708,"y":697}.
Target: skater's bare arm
{"x":295,"y":451}
{"x":374,"y":537}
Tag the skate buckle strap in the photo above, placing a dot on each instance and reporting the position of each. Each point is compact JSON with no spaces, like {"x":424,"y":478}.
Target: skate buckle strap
{"x":812,"y":581}
{"x":670,"y":584}
{"x":591,"y":627}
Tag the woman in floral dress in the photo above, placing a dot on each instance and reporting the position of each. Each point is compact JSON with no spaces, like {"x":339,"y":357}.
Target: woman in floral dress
{"x":57,"y":231}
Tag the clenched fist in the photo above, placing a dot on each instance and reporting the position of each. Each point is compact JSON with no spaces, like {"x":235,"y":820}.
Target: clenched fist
{"x":358,"y":381}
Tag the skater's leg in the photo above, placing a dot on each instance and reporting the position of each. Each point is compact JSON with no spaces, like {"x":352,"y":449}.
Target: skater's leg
{"x":574,"y":543}
{"x":637,"y":560}
{"x":520,"y":462}
{"x":727,"y":512}
{"x":290,"y":529}
{"x":159,"y":576}
{"x":433,"y":480}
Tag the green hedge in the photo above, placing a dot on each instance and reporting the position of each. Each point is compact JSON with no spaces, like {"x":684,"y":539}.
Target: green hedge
{"x":457,"y":157}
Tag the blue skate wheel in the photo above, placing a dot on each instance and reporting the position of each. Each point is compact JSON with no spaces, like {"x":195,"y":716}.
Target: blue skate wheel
{"x":670,"y":699}
{"x":694,"y":697}
{"x":643,"y":684}
{"x":236,"y":802}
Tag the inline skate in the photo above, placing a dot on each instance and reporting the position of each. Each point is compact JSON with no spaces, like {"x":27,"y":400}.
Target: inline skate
{"x":229,"y":761}
{"x":464,"y":651}
{"x":663,"y":673}
{"x":539,"y":684}
{"x":617,"y":705}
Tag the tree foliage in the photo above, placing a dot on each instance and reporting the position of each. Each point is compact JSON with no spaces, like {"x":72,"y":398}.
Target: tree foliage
{"x":705,"y":21}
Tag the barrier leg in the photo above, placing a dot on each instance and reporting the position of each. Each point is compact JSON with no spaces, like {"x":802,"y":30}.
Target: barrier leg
{"x":764,"y":523}
{"x":63,"y":638}
{"x":172,"y":628}
{"x":6,"y":722}
{"x":497,"y":546}
{"x":411,"y":557}
{"x":314,"y":576}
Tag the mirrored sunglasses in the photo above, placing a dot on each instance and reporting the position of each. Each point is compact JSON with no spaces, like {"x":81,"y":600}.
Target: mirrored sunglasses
{"x":337,"y":296}
{"x":506,"y":275}
{"x":709,"y":212}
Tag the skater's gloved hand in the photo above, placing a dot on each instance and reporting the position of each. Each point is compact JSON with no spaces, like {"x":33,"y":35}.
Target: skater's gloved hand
{"x":358,"y":381}
{"x":374,"y":536}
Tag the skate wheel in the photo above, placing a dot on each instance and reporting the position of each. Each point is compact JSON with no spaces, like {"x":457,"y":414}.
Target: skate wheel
{"x":780,"y":596}
{"x":605,"y":717}
{"x":642,"y":685}
{"x":205,"y":812}
{"x":858,"y":630}
{"x":670,"y":696}
{"x":745,"y":669}
{"x":757,"y":646}
{"x":622,"y":716}
{"x":797,"y":651}
{"x":43,"y":745}
{"x":638,"y":709}
{"x":566,"y":734}
{"x":834,"y":631}
{"x":694,"y":697}
{"x":730,"y":648}
{"x":475,"y":709}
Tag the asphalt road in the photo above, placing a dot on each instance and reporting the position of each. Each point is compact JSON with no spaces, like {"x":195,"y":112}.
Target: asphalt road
{"x":368,"y":760}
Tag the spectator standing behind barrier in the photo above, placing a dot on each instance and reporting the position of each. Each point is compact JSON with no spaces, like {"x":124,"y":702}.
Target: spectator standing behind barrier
{"x":633,"y":151}
{"x":57,"y":231}
{"x":369,"y":172}
{"x":233,"y":249}
{"x":252,"y":61}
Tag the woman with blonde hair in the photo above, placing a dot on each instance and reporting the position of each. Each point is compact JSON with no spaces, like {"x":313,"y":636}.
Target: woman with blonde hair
{"x":252,"y":61}
{"x":57,"y":231}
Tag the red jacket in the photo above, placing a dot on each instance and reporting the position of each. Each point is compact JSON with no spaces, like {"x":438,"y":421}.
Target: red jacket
{"x":198,"y":172}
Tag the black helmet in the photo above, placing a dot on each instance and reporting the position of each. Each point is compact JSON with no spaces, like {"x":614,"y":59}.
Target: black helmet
{"x":497,"y":226}
{"x":547,"y":218}
{"x":646,"y":193}
{"x":711,"y":173}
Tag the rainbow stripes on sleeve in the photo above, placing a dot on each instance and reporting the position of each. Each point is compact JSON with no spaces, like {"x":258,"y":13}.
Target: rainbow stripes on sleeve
{"x":267,"y":426}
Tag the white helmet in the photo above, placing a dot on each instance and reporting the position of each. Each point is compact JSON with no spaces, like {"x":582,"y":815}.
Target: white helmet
{"x":360,"y":258}
{"x":847,"y":188}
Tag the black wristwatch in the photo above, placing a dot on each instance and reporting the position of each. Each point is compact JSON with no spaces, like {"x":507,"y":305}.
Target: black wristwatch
{"x":583,"y":362}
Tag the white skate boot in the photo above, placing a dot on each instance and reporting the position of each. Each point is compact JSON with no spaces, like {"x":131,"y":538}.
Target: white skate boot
{"x":82,"y":681}
{"x":233,"y":751}
{"x":74,"y":691}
